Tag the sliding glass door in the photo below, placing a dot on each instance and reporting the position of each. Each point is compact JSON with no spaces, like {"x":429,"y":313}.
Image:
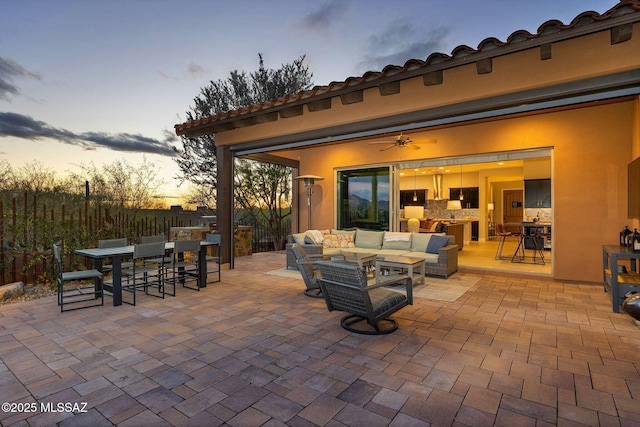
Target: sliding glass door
{"x":364,"y":198}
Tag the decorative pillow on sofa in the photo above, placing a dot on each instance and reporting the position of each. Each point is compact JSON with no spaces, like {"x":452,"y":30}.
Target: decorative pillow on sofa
{"x":299,"y":238}
{"x":330,"y":241}
{"x":369,"y":239}
{"x":346,"y":240}
{"x":434,"y":226}
{"x":395,"y":240}
{"x":435,"y":243}
{"x":337,"y":241}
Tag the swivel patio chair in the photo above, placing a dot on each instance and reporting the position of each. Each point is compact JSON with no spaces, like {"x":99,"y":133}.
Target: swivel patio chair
{"x":184,"y":266}
{"x":345,"y":288}
{"x":83,"y":295}
{"x":309,"y":271}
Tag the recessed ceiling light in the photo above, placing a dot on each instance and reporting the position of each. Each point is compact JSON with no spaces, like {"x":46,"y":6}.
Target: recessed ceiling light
{"x":501,"y":163}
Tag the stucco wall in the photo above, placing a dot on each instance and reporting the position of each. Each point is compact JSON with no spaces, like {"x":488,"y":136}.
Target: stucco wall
{"x":588,"y":56}
{"x":591,"y":149}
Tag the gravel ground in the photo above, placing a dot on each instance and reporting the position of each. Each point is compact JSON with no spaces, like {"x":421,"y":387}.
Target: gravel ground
{"x":32,"y":292}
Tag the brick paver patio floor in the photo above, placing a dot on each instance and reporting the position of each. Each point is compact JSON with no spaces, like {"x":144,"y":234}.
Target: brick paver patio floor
{"x":253,"y":350}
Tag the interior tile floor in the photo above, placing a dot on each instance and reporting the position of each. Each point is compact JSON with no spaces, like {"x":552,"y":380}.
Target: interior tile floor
{"x":252,"y":350}
{"x":480,"y":257}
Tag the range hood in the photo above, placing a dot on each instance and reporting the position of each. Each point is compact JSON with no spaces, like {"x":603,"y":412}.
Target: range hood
{"x":437,"y":186}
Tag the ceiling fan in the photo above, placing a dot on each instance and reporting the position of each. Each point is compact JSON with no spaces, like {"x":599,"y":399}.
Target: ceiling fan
{"x":403,"y":141}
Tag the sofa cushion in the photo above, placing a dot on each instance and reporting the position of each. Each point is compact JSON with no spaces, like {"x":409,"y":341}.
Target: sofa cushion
{"x":419,"y":241}
{"x":395,"y":240}
{"x":385,"y":252}
{"x":369,"y":239}
{"x":435,"y":243}
{"x":348,"y":232}
{"x":428,"y":258}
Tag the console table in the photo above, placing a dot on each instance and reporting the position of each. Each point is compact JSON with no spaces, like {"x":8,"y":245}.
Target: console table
{"x":615,"y":283}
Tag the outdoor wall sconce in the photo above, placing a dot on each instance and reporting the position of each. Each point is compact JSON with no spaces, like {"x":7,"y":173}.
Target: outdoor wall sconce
{"x":309,"y":182}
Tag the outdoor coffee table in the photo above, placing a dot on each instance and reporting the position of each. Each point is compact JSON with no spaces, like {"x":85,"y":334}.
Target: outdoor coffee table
{"x":402,"y":263}
{"x":365,"y":261}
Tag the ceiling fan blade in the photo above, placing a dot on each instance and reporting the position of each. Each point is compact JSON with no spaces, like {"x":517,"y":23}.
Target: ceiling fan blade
{"x":411,"y":145}
{"x":386,"y":148}
{"x":425,"y":141}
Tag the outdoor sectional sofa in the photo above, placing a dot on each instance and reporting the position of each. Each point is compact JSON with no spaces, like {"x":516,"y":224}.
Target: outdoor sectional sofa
{"x":441,"y":256}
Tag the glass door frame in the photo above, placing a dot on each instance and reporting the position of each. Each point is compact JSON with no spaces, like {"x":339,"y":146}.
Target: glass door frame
{"x":394,"y":192}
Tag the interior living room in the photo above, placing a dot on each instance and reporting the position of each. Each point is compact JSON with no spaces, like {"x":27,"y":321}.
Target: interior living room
{"x":492,"y":195}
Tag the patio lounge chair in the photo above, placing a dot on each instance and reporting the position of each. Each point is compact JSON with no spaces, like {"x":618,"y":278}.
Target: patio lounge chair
{"x":344,"y":287}
{"x":309,"y":271}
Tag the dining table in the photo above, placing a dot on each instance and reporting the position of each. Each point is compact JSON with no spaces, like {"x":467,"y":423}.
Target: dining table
{"x":98,"y":255}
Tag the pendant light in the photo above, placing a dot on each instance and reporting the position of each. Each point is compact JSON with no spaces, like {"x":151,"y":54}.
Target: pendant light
{"x":415,"y":195}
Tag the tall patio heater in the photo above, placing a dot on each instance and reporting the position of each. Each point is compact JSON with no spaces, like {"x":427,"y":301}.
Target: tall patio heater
{"x":309,"y":182}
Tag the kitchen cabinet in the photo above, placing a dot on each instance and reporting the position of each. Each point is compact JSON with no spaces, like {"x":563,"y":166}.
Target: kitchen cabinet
{"x":471,"y":196}
{"x":406,"y":197}
{"x":537,"y":193}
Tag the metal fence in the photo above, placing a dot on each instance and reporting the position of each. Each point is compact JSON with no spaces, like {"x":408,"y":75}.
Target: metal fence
{"x":30,"y":223}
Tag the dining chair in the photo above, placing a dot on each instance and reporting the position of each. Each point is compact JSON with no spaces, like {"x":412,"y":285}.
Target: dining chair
{"x":185,"y":264}
{"x":214,"y":259}
{"x":145,"y":274}
{"x":113,"y":243}
{"x":82,"y":295}
{"x":156,"y":239}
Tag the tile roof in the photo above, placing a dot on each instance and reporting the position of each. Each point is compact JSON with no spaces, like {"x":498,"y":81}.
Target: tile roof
{"x":489,"y":47}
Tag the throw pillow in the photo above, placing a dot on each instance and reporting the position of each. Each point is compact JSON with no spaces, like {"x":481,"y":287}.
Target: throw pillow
{"x":345,"y":240}
{"x":316,"y":235}
{"x":299,"y":238}
{"x":434,"y":225}
{"x":396,"y":241}
{"x":330,"y":241}
{"x":369,"y":239}
{"x":435,"y":243}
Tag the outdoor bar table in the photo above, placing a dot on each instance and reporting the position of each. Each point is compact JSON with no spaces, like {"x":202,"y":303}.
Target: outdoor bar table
{"x":118,"y":254}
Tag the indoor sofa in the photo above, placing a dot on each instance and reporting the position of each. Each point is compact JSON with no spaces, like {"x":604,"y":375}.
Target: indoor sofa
{"x":437,"y":249}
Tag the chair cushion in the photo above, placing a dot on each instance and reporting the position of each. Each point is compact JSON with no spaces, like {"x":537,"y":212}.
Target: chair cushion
{"x":369,"y":239}
{"x":384,"y":299}
{"x":435,"y":243}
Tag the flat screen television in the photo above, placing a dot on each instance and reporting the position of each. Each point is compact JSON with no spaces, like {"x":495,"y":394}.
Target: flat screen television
{"x":634,"y":189}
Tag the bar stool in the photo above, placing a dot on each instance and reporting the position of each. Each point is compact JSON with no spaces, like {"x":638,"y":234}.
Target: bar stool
{"x":538,"y":256}
{"x":503,"y":234}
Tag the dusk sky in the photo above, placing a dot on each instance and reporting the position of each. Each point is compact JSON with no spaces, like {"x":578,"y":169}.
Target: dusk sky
{"x":96,"y":80}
